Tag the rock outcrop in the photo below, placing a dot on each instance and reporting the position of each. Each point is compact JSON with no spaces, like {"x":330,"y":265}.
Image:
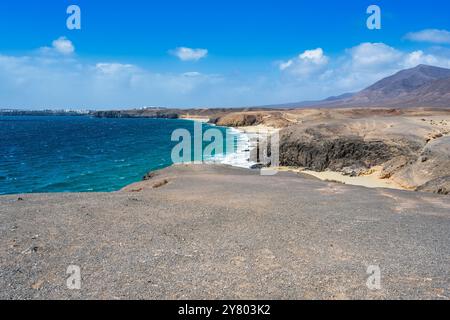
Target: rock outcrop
{"x":439,"y":185}
{"x":275,"y":119}
{"x":327,"y":147}
{"x":413,"y":152}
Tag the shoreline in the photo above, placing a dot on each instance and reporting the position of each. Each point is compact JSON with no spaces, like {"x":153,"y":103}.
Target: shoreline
{"x":243,"y":146}
{"x":203,"y":120}
{"x":369,"y":180}
{"x":245,"y":142}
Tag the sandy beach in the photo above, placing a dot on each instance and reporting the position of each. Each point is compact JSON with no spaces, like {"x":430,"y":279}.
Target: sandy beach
{"x":371,"y":179}
{"x":199,"y":119}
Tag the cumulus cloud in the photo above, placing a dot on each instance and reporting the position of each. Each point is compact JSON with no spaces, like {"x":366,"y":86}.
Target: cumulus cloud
{"x":114,"y":68}
{"x":47,"y":81}
{"x":192,"y":74}
{"x":315,"y":56}
{"x":62,"y":46}
{"x":430,"y":35}
{"x":312,"y":75}
{"x":419,"y":57}
{"x":61,"y":79}
{"x":373,"y":55}
{"x":189,"y":54}
{"x":306,"y":63}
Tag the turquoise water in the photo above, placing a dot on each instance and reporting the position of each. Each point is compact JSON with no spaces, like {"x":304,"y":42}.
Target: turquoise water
{"x":81,"y":154}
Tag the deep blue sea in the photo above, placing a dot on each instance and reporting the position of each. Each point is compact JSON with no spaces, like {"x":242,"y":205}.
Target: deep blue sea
{"x":82,"y":154}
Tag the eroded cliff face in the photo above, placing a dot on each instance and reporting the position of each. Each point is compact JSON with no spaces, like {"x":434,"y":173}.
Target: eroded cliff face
{"x":439,"y":185}
{"x":431,"y":171}
{"x":275,"y":119}
{"x":414,"y":153}
{"x":322,"y":147}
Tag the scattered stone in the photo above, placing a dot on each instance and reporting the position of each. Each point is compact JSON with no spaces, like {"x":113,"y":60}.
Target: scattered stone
{"x":257,"y":166}
{"x":160,"y":183}
{"x":30,"y":250}
{"x":149,"y":176}
{"x":37,"y":285}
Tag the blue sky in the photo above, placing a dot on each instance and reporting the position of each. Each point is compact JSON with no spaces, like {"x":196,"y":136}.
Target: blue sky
{"x":209,"y":53}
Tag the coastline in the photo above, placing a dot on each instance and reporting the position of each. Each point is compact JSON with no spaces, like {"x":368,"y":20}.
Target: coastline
{"x":246,"y":137}
{"x":198,"y":119}
{"x":247,"y":142}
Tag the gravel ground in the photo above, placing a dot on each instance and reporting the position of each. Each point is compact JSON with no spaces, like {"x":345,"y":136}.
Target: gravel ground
{"x":216,"y":232}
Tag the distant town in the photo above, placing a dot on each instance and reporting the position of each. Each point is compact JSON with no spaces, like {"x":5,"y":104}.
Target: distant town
{"x":59,"y":112}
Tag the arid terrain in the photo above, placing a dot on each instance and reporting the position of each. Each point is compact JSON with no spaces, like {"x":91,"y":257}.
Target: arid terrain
{"x":198,"y":232}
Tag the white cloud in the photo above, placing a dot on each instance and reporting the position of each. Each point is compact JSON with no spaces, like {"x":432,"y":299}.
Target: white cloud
{"x":285,"y":64}
{"x":46,"y":81}
{"x":306,"y":64}
{"x":189,"y":54}
{"x":419,"y":57}
{"x":313,"y":75}
{"x":25,"y":80}
{"x":61,"y":46}
{"x":192,"y":74}
{"x":430,"y":35}
{"x":114,"y":68}
{"x":315,"y":56}
{"x":370,"y":55}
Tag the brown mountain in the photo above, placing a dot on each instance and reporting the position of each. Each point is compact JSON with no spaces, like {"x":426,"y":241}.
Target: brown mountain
{"x":422,"y":86}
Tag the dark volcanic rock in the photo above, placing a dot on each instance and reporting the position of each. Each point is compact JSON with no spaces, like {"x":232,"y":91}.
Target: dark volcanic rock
{"x":322,"y":148}
{"x":149,"y":176}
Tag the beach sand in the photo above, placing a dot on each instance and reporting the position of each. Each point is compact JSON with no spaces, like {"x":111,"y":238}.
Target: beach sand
{"x":199,"y":119}
{"x":263,"y":129}
{"x":369,"y":180}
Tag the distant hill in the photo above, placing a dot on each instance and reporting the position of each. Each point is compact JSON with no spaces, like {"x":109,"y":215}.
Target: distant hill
{"x":310,"y":103}
{"x":422,"y":86}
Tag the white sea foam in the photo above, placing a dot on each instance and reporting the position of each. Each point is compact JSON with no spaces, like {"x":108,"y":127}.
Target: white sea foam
{"x":243,"y":143}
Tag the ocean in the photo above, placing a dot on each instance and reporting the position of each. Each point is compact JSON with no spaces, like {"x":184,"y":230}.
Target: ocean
{"x":86,"y":154}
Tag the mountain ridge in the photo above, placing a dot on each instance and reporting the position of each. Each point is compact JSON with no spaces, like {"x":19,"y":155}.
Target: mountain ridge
{"x":421,"y":86}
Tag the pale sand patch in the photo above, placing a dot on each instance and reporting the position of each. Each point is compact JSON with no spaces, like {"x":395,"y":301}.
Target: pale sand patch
{"x":194,"y":119}
{"x":258,"y":129}
{"x":370,"y":180}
